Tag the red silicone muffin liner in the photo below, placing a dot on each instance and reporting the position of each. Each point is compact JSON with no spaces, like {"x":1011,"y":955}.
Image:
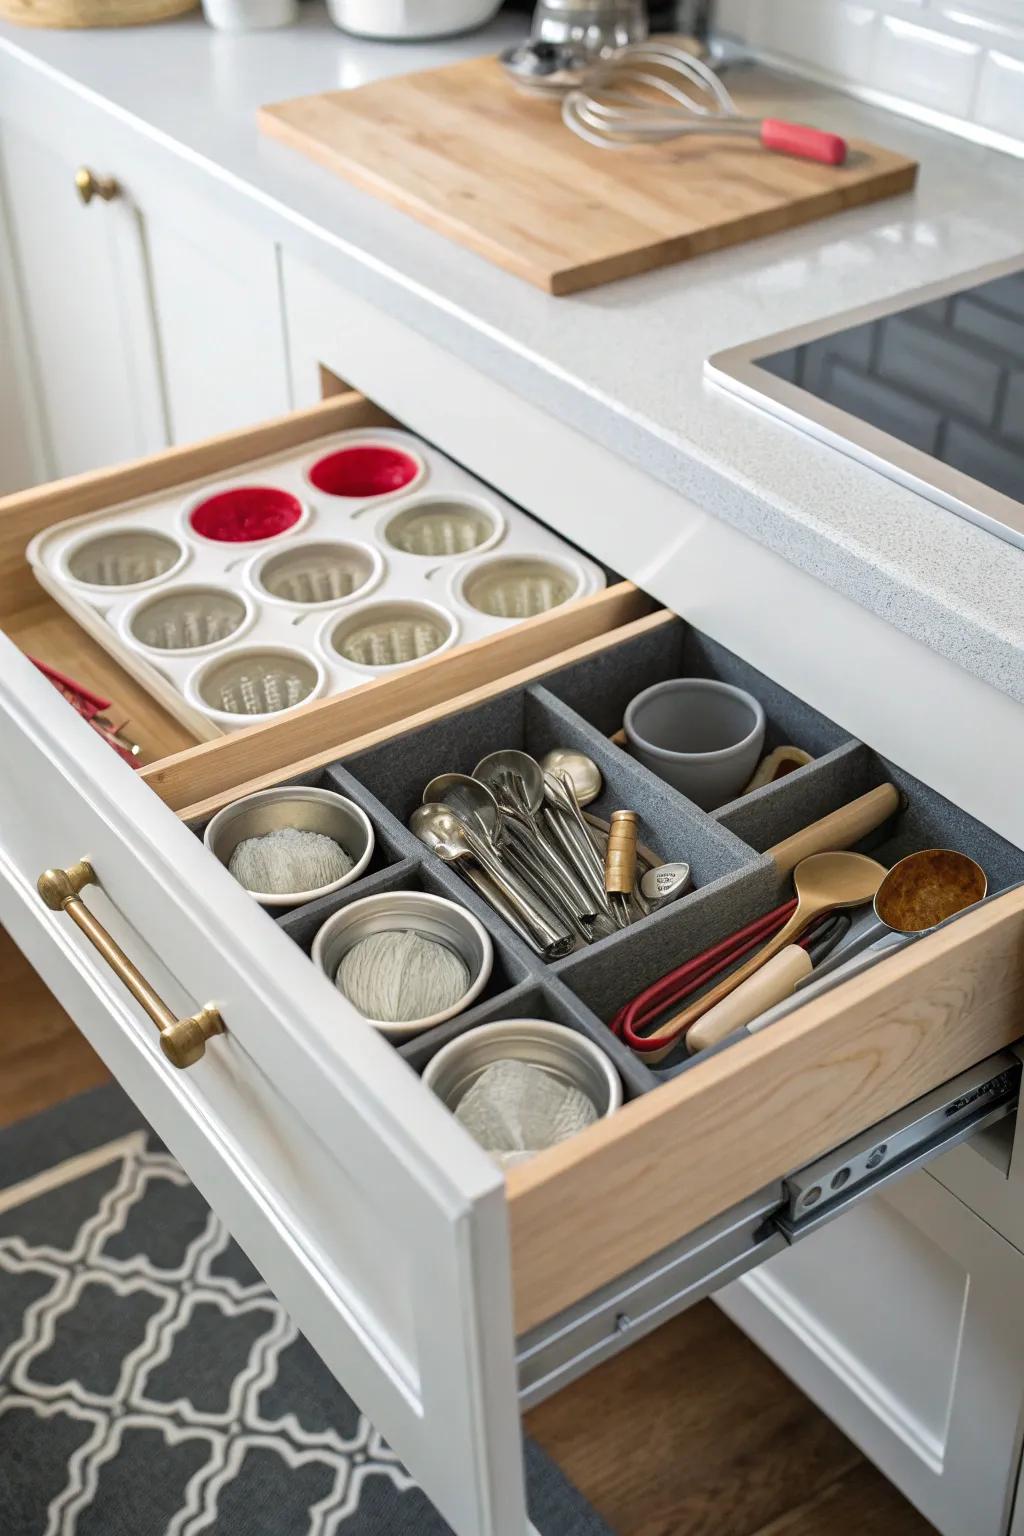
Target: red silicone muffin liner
{"x":245,"y":515}
{"x":364,"y":470}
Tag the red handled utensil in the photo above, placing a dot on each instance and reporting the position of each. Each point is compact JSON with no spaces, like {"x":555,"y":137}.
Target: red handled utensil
{"x":678,"y":95}
{"x":91,"y":708}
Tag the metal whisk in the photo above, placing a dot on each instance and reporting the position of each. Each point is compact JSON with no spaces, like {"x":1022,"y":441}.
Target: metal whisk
{"x":649,"y":93}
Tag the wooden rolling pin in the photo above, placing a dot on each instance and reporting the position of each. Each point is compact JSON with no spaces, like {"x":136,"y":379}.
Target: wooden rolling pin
{"x":840,"y":829}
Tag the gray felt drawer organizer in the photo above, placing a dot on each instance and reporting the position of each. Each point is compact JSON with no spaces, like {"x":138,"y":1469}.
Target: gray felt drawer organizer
{"x":581,"y":705}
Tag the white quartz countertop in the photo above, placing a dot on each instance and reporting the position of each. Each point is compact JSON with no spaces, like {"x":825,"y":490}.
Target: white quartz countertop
{"x":623,"y":363}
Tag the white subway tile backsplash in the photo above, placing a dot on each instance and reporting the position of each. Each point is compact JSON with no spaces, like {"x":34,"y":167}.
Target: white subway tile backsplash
{"x":819,"y":34}
{"x":1000,"y":103}
{"x":925,"y":66}
{"x":988,"y":31}
{"x":962,"y":58}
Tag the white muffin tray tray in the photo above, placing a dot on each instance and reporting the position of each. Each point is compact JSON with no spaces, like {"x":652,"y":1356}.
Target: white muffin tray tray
{"x":225,"y":632}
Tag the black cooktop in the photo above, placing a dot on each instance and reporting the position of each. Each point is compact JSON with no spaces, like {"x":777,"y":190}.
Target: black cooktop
{"x":946,"y":377}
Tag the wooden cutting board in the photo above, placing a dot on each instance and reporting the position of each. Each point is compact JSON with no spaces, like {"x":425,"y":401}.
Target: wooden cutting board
{"x":462,"y":150}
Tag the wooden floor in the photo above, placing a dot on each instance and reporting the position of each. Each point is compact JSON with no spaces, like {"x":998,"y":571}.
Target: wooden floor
{"x":692,"y":1432}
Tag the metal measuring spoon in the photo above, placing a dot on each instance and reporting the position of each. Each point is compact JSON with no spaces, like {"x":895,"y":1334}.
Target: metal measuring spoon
{"x":919,"y":892}
{"x":664,"y":883}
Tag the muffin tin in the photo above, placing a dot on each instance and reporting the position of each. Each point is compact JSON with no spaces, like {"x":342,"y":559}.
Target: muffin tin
{"x":308,"y":573}
{"x":581,"y":705}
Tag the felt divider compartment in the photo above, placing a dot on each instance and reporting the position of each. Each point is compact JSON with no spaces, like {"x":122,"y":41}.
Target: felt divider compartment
{"x":607,"y":976}
{"x":303,"y":923}
{"x":579,"y":706}
{"x":541,"y":997}
{"x":600,"y":688}
{"x":927,"y":820}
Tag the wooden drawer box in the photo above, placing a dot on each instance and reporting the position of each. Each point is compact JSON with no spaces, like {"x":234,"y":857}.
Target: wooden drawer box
{"x":417,"y":1270}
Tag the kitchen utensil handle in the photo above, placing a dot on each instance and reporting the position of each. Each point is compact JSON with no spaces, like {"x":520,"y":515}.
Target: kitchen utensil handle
{"x":559,"y":865}
{"x":803,"y":142}
{"x":840,"y":829}
{"x":682,"y":1021}
{"x":563,"y":828}
{"x":773,"y":983}
{"x":183,"y":1041}
{"x":486,"y":887}
{"x":555,"y":936}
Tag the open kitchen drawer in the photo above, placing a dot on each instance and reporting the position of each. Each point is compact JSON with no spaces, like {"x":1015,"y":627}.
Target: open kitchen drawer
{"x":415,"y":1268}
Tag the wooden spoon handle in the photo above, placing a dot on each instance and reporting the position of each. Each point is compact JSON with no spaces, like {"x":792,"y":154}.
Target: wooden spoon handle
{"x":689,"y":1015}
{"x":840,"y":829}
{"x":774,"y":982}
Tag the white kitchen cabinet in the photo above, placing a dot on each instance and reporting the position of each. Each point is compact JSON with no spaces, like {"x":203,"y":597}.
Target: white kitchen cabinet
{"x":146,"y":317}
{"x":82,"y":285}
{"x":218,"y":310}
{"x":902,"y":1320}
{"x":22,"y":457}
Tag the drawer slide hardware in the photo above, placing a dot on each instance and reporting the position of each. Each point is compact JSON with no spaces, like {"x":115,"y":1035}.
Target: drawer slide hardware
{"x":183,"y":1041}
{"x":933,"y":1124}
{"x":757,"y":1229}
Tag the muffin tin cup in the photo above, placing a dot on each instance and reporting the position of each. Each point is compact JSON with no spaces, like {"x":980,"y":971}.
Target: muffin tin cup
{"x":280,"y":576}
{"x":388,"y":627}
{"x":238,"y":666}
{"x":260,"y":501}
{"x":281,"y":618}
{"x":511,"y":586}
{"x":425,"y":527}
{"x":179,"y":606}
{"x":113,"y":547}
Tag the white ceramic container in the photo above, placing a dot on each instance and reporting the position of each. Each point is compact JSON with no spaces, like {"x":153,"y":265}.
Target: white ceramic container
{"x":395,"y":20}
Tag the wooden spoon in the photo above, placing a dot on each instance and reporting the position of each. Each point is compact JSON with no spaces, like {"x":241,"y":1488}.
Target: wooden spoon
{"x":823,"y":883}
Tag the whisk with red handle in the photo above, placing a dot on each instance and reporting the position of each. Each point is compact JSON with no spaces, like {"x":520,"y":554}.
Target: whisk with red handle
{"x":678,"y":95}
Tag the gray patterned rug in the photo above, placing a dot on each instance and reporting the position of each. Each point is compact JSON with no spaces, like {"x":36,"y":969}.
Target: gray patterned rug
{"x":151,"y":1385}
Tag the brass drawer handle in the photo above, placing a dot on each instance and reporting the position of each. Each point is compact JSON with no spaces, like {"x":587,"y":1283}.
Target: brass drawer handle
{"x":88,"y":185}
{"x":183,"y":1041}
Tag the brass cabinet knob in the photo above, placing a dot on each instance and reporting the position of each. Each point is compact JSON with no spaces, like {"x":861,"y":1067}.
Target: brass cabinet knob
{"x":88,"y":185}
{"x":183,"y":1041}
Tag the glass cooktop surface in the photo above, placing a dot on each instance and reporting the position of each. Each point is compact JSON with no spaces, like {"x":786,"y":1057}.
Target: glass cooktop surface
{"x":929,"y":389}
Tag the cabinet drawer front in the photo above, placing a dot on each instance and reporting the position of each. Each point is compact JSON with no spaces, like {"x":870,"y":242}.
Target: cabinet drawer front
{"x":353,"y":1190}
{"x":586,"y":1211}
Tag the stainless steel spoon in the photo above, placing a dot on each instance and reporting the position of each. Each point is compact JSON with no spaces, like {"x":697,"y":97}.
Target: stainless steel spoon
{"x":517,"y":782}
{"x":441,"y":829}
{"x":474,"y":803}
{"x":582,"y":770}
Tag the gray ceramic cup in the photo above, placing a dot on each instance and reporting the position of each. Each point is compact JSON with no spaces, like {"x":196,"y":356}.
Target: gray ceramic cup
{"x":701,"y":736}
